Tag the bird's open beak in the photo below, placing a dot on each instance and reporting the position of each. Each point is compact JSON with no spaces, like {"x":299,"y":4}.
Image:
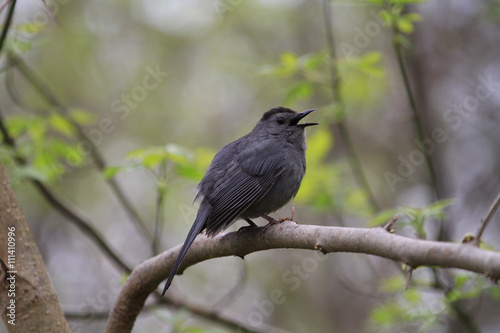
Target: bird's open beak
{"x":295,"y":121}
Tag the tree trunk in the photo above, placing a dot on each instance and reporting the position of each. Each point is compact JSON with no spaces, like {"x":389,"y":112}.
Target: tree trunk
{"x":28,"y":300}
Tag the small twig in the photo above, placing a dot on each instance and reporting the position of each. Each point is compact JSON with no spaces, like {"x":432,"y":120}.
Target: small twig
{"x":160,"y":199}
{"x":350,"y":286}
{"x":44,"y":90}
{"x":462,"y":315}
{"x":12,"y":92}
{"x":491,"y":211}
{"x":238,"y":288}
{"x":2,"y":6}
{"x":204,"y":312}
{"x":87,"y":315}
{"x":91,"y":315}
{"x":292,"y":212}
{"x":419,"y":127}
{"x":289,"y":218}
{"x":177,"y":304}
{"x":64,"y":209}
{"x":352,"y":157}
{"x":389,"y":224}
{"x":7,"y":22}
{"x":408,"y":277}
{"x":81,"y":223}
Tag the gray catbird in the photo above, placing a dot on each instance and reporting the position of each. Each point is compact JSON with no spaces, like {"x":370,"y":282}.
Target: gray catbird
{"x":252,"y":176}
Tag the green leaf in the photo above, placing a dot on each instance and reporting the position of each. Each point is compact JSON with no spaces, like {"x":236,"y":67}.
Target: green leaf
{"x":289,"y":60}
{"x":319,"y":144}
{"x":16,"y":125}
{"x":414,"y":17}
{"x":437,"y":208}
{"x":369,"y":64}
{"x":402,"y":40}
{"x":460,"y":280}
{"x":298,"y":91}
{"x":29,"y":28}
{"x":203,"y":157}
{"x":386,"y":16}
{"x":148,"y":157}
{"x":19,"y":45}
{"x":177,"y":153}
{"x":418,"y":216}
{"x":62,"y":125}
{"x":123,"y":278}
{"x":393,"y":283}
{"x":110,"y":171}
{"x":406,"y":2}
{"x":382,"y":217}
{"x":82,"y":117}
{"x":357,"y":201}
{"x":152,"y":157}
{"x":30,"y":172}
{"x":288,"y":66}
{"x":313,"y":61}
{"x":70,"y":153}
{"x":453,"y":295}
{"x":333,"y":112}
{"x":494,"y":292}
{"x":189,"y":171}
{"x":36,"y":129}
{"x":388,"y":314}
{"x":405,"y":26}
{"x":412,"y":296}
{"x":194,"y":329}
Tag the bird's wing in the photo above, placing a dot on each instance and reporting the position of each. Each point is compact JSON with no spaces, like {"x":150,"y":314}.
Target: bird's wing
{"x":245,"y":180}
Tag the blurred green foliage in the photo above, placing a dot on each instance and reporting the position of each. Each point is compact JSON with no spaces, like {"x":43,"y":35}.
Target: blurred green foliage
{"x":47,"y":142}
{"x":164,"y":162}
{"x":421,"y":306}
{"x":328,"y":185}
{"x":417,"y":217}
{"x":50,"y":144}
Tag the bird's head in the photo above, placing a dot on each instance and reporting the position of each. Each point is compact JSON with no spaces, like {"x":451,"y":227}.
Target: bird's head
{"x":284,"y":122}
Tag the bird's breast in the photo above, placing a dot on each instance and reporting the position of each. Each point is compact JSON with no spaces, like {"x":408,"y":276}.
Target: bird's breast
{"x":286,"y":185}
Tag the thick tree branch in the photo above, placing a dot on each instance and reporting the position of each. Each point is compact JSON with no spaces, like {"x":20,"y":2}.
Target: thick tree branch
{"x":28,"y":300}
{"x":377,"y":241}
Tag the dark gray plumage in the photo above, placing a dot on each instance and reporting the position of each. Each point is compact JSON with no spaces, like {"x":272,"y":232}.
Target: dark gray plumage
{"x":252,"y":176}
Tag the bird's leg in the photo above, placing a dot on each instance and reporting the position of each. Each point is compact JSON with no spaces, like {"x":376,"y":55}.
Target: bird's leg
{"x":270,"y":220}
{"x":250,"y":222}
{"x":250,"y":226}
{"x":289,"y":218}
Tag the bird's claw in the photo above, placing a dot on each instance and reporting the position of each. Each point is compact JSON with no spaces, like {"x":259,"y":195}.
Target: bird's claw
{"x":251,"y":225}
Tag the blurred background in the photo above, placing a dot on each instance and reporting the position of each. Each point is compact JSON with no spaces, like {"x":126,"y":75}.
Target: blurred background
{"x":157,"y":87}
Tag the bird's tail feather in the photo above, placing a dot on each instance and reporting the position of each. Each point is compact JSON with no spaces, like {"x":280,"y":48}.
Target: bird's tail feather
{"x":197,"y":227}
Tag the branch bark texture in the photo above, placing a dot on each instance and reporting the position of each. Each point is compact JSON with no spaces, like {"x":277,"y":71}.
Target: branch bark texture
{"x":28,"y":300}
{"x":376,"y":241}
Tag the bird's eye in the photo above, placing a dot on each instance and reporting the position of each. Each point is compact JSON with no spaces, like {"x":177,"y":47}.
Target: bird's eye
{"x":280,"y":120}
